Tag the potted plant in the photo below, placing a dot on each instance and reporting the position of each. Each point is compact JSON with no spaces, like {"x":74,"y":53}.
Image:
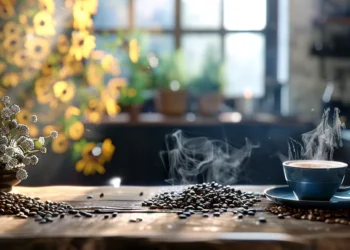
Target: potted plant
{"x":208,"y":86}
{"x":132,"y":96}
{"x":170,"y":80}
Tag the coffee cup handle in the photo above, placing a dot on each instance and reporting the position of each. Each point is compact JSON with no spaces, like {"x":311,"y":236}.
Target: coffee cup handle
{"x":344,"y":189}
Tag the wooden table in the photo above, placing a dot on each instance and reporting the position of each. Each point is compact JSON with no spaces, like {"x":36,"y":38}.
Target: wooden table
{"x":160,"y":229}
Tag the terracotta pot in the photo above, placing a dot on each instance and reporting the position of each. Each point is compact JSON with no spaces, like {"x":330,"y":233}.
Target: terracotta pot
{"x":171,"y":103}
{"x":134,"y":112}
{"x":7,"y":180}
{"x":209,"y":104}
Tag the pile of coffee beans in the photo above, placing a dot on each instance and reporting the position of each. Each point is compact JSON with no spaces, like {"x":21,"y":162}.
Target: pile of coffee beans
{"x":341,"y":216}
{"x":207,"y":196}
{"x":23,"y":206}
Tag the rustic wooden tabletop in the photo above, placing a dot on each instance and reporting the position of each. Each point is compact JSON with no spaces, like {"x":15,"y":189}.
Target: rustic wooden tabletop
{"x":160,"y":229}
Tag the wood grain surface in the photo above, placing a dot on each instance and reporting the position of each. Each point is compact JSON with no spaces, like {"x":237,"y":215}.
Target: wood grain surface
{"x":160,"y":229}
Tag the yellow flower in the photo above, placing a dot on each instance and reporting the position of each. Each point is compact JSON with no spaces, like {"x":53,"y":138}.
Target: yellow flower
{"x":64,"y":91}
{"x":112,"y":108}
{"x":82,"y":20}
{"x":43,"y":89}
{"x":89,"y":167}
{"x":21,"y":58}
{"x":60,"y":144}
{"x":76,"y":130}
{"x":82,"y":45}
{"x":107,"y":150}
{"x":38,"y":48}
{"x":110,"y":65}
{"x":63,"y":44}
{"x":24,"y":116}
{"x":114,"y":85}
{"x":71,"y":111}
{"x":30,"y":71}
{"x":44,"y":24}
{"x":47,"y":5}
{"x":89,"y":6}
{"x":134,"y":51}
{"x":132,"y":92}
{"x":2,"y":67}
{"x":94,"y":74}
{"x":12,"y":43}
{"x":7,"y":10}
{"x":94,"y":111}
{"x":47,"y":69}
{"x":23,"y":19}
{"x":48,"y":129}
{"x":10,"y":79}
{"x":33,"y":130}
{"x":11,"y":28}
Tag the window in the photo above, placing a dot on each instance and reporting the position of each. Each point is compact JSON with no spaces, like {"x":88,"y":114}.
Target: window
{"x":238,"y":31}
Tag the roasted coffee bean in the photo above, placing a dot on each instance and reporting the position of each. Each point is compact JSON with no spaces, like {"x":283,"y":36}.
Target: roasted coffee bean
{"x":132,"y":221}
{"x":240,"y":216}
{"x":141,"y":194}
{"x":90,"y":197}
{"x":77,"y":215}
{"x":280,"y":216}
{"x":106,"y":216}
{"x":216,"y":214}
{"x":115,"y":214}
{"x":311,"y":217}
{"x":101,"y":195}
{"x":49,"y":220}
{"x":262,"y":220}
{"x":72,"y":211}
{"x":139,"y":219}
{"x":61,"y":216}
{"x":251,"y":213}
{"x":187,"y":214}
{"x":182,"y":216}
{"x":205,"y":215}
{"x":43,"y":221}
{"x":330,"y":221}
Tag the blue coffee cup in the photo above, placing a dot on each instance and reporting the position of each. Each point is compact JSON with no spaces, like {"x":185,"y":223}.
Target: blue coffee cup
{"x":315,"y":179}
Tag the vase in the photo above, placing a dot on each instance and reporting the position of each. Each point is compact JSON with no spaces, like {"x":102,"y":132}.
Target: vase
{"x":209,"y":104}
{"x":8,"y":180}
{"x":134,"y":112}
{"x":171,"y":103}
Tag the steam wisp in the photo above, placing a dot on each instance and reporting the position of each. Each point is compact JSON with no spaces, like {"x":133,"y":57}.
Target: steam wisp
{"x":320,"y":143}
{"x":193,"y":160}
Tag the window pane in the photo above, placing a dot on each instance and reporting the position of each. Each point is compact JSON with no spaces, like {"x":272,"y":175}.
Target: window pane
{"x":112,"y":14}
{"x":195,"y":48}
{"x":200,"y":14}
{"x":161,"y":44}
{"x":245,"y":57}
{"x":154,"y":14}
{"x":245,"y":14}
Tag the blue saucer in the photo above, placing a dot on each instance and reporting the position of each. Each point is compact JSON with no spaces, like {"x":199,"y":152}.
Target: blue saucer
{"x":284,"y":195}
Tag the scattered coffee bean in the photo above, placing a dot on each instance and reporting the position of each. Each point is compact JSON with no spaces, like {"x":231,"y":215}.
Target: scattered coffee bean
{"x":106,"y":216}
{"x":61,"y":216}
{"x":216,"y":214}
{"x":280,"y":216}
{"x":132,"y":221}
{"x":77,"y":215}
{"x":139,"y":219}
{"x":240,"y":216}
{"x":115,"y":214}
{"x":182,"y":216}
{"x":90,"y":197}
{"x":262,"y":220}
{"x":251,"y":213}
{"x":187,"y":214}
{"x":205,"y":215}
{"x":49,"y":220}
{"x":141,"y":194}
{"x":101,"y":195}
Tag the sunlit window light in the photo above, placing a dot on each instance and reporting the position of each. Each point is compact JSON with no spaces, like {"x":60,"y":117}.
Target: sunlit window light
{"x":115,"y":182}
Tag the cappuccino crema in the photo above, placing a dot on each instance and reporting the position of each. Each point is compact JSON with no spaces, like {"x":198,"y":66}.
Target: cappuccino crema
{"x":315,"y":164}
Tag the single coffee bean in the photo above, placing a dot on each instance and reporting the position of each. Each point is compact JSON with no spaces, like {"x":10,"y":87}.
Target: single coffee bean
{"x":251,"y":213}
{"x":115,"y":214}
{"x":141,"y":194}
{"x":216,"y":214}
{"x":132,"y":221}
{"x":262,"y":220}
{"x":205,"y":215}
{"x":280,"y":216}
{"x":187,"y":214}
{"x":106,"y":216}
{"x":182,"y":216}
{"x":101,"y":195}
{"x":61,"y":216}
{"x":77,"y":215}
{"x":240,"y":216}
{"x":139,"y":219}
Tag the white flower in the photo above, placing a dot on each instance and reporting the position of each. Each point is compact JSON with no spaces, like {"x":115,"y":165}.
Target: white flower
{"x":54,"y":134}
{"x":13,"y":162}
{"x":3,"y":140}
{"x":5,"y":158}
{"x":43,"y":150}
{"x":10,"y":151}
{"x":27,"y":144}
{"x":8,"y":167}
{"x":6,"y":113}
{"x":13,"y":124}
{"x":2,"y":148}
{"x":15,"y":108}
{"x":34,"y":160}
{"x":6,"y":100}
{"x":41,"y":140}
{"x":4,"y":130}
{"x":21,"y":174}
{"x":23,"y":129}
{"x":27,"y":160}
{"x":34,"y":118}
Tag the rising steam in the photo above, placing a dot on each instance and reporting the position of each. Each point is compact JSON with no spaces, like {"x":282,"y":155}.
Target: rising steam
{"x":319,"y":144}
{"x":193,"y":160}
